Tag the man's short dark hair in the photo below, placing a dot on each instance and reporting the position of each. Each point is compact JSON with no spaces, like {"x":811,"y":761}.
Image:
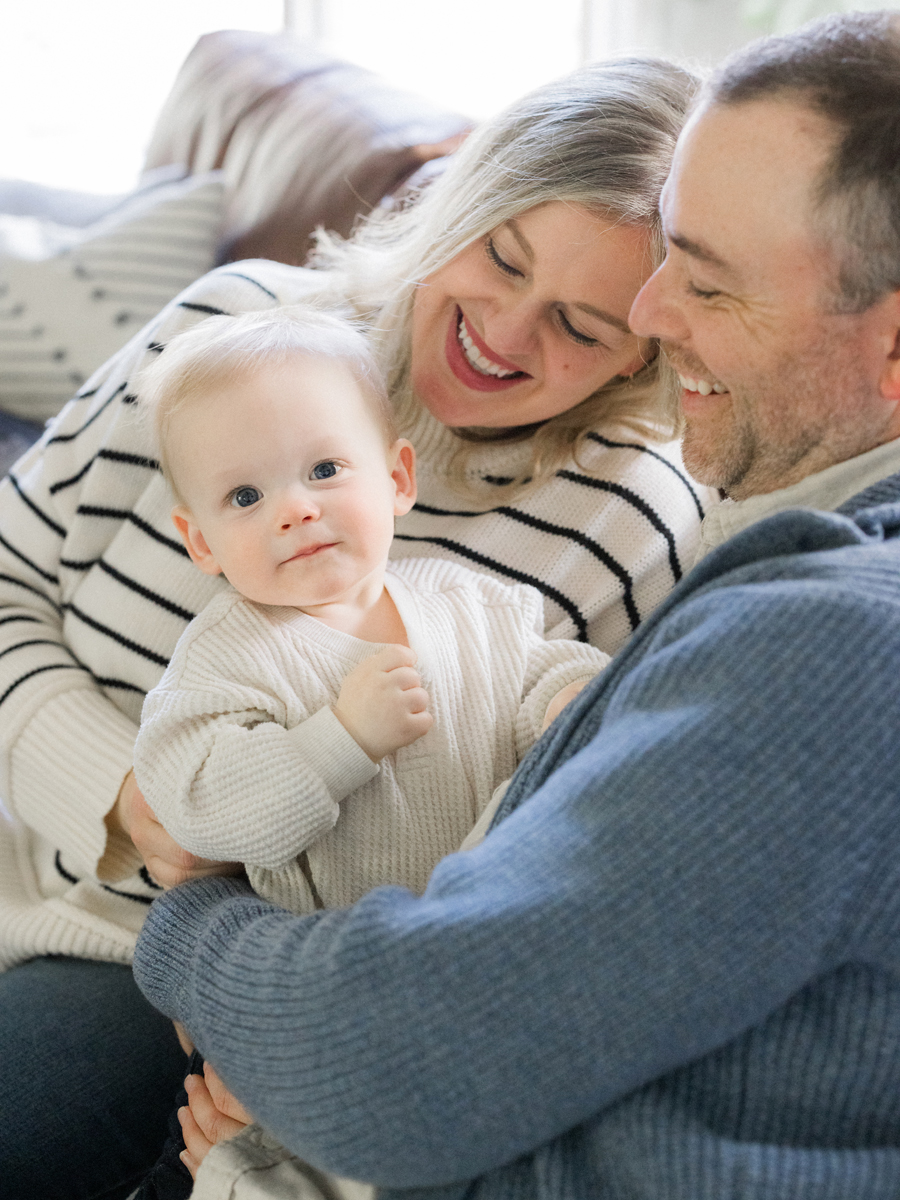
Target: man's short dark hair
{"x":846,"y":68}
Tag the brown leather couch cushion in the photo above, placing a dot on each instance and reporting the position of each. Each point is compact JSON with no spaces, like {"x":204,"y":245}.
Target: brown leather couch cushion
{"x":303,"y":139}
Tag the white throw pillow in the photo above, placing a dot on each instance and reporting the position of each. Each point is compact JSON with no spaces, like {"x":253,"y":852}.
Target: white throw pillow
{"x":70,"y":298}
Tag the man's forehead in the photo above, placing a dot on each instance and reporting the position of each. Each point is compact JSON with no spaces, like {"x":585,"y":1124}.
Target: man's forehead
{"x":744,"y":173}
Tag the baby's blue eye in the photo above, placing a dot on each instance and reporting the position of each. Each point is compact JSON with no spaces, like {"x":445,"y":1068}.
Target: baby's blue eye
{"x":324,"y":470}
{"x":243,"y":497}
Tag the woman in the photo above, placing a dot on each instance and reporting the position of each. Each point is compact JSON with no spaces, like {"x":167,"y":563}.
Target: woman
{"x":499,"y":305}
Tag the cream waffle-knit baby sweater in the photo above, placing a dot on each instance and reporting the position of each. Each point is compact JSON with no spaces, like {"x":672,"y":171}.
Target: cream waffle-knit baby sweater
{"x":241,"y":757}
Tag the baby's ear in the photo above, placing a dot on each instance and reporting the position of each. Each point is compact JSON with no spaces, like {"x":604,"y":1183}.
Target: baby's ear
{"x":194,"y":541}
{"x":403,"y":473}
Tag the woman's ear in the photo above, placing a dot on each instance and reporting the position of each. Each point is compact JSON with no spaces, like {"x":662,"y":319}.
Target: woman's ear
{"x":403,"y":474}
{"x":194,"y":541}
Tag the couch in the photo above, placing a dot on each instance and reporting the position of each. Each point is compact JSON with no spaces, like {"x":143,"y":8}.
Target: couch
{"x":262,"y":139}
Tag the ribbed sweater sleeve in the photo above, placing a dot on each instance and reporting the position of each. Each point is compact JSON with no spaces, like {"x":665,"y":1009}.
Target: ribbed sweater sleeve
{"x":722,"y":811}
{"x":229,"y":775}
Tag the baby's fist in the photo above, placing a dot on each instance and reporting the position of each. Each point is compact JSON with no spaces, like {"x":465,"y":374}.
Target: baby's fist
{"x":382,"y":703}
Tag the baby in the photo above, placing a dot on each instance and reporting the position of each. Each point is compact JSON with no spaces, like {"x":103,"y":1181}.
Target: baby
{"x":331,"y":720}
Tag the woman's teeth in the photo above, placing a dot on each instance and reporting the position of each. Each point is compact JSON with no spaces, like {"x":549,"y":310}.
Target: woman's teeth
{"x":701,"y":386}
{"x":482,"y":365}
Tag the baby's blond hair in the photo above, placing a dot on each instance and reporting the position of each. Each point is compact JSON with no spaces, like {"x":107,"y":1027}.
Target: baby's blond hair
{"x":194,"y":362}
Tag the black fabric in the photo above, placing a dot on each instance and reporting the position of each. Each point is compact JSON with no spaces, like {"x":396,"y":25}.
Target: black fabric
{"x":169,"y":1178}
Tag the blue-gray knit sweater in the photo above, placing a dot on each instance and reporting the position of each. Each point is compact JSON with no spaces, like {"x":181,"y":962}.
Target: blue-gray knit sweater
{"x":672,"y":970}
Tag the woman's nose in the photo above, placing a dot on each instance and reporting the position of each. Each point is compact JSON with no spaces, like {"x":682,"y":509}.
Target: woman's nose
{"x":511,"y":329}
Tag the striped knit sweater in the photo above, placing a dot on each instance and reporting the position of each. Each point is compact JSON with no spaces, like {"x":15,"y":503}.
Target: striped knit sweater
{"x":95,"y":590}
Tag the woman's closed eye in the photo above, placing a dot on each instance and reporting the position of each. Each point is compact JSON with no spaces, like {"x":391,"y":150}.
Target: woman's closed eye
{"x":244,"y":496}
{"x":500,"y":263}
{"x":325,"y":470}
{"x":576,"y":335}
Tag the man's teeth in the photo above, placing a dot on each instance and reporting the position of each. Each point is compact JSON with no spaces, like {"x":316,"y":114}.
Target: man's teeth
{"x":700,"y":385}
{"x":482,"y":365}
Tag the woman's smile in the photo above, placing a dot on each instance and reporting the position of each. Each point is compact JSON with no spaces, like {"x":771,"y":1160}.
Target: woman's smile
{"x":473,"y":363}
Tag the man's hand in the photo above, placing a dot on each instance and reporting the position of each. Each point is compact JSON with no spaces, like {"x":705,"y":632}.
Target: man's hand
{"x":213,"y":1115}
{"x":166,"y":861}
{"x":382,"y":703}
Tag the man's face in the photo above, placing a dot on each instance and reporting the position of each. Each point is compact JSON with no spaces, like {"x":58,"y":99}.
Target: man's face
{"x":775,"y":384}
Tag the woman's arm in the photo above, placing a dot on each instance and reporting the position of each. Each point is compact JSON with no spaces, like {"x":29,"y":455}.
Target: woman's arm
{"x":95,"y":590}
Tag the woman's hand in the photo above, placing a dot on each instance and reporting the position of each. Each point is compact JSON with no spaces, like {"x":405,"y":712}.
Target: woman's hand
{"x":167,"y":862}
{"x":213,"y":1115}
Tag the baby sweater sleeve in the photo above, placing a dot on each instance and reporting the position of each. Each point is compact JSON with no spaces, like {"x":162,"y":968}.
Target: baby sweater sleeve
{"x":549,"y":667}
{"x":219,"y":766}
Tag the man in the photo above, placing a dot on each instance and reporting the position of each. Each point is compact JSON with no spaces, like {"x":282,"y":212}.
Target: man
{"x":673,"y":967}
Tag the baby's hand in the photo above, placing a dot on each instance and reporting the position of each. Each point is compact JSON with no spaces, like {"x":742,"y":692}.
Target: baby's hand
{"x":382,"y":703}
{"x":559,"y":702}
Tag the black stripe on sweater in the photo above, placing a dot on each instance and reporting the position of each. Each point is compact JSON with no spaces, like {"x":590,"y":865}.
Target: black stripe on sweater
{"x":70,"y":878}
{"x":48,"y":521}
{"x":204,"y":308}
{"x":124,"y":514}
{"x":135,"y":460}
{"x":564,"y":602}
{"x":28,"y":562}
{"x":61,"y":484}
{"x":37,"y":671}
{"x":134,"y":647}
{"x":29,"y":588}
{"x":33,"y":642}
{"x":636,"y":502}
{"x":255,"y":282}
{"x":573,"y":535}
{"x":685,"y":479}
{"x":70,"y":437}
{"x":119,"y":684}
{"x":153,"y":597}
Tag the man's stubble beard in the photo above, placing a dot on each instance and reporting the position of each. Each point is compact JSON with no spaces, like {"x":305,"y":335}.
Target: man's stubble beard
{"x":784,"y":426}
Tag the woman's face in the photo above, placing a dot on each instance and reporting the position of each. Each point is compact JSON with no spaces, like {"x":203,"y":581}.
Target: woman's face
{"x":529,"y":320}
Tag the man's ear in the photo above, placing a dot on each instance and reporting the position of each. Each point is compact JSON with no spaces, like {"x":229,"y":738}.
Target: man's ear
{"x":890,"y":375}
{"x":194,"y":541}
{"x":403,"y":474}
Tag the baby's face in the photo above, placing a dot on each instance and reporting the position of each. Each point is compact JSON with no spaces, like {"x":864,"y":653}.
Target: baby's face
{"x":289,"y":487}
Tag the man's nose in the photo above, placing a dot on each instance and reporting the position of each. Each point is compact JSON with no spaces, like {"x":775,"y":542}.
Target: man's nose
{"x":655,"y":312}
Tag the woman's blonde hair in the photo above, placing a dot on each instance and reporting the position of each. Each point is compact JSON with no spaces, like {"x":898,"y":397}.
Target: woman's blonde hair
{"x":601,"y":138}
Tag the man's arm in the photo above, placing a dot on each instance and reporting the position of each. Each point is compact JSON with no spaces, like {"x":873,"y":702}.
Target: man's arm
{"x":691,"y":868}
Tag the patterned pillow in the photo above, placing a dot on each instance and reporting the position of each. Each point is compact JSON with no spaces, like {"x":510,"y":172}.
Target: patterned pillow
{"x":69,"y":298}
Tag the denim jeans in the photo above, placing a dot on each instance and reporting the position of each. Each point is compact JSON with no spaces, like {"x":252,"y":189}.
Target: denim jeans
{"x":88,"y":1072}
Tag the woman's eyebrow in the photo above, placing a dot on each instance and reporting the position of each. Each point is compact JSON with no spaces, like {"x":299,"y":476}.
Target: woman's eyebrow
{"x":616,"y":322}
{"x":520,"y":237}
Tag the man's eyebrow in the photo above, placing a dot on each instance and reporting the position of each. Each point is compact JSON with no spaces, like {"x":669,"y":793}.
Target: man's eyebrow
{"x":699,"y":251}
